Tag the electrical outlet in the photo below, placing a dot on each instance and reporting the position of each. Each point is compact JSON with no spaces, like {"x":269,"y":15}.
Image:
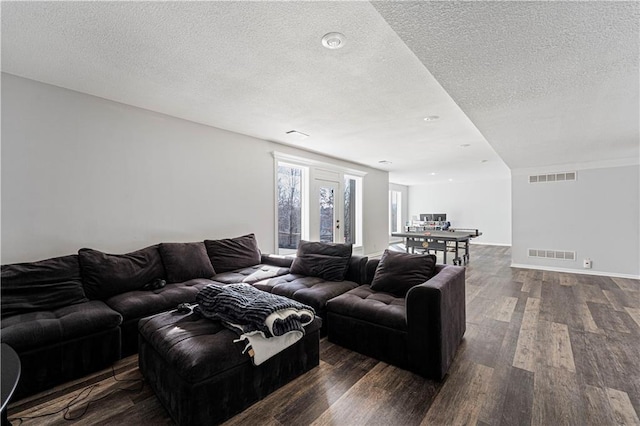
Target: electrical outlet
{"x":586,"y":263}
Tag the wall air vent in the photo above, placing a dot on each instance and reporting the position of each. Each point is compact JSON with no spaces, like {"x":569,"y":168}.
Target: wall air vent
{"x":553,"y":254}
{"x":553,"y":177}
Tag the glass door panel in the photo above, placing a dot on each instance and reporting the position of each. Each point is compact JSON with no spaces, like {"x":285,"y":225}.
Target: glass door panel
{"x":327,"y":197}
{"x":326,"y":208}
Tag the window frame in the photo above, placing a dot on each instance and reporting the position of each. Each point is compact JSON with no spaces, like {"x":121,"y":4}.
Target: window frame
{"x":398,"y":211}
{"x":316,"y":169}
{"x":304,"y":202}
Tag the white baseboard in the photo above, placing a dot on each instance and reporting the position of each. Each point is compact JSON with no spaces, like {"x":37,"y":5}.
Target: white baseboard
{"x":575,"y":271}
{"x":478,"y":243}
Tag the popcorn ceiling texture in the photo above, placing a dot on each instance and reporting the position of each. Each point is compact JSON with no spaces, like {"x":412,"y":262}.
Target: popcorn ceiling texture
{"x":531,"y":83}
{"x":557,"y":79}
{"x":256,"y":68}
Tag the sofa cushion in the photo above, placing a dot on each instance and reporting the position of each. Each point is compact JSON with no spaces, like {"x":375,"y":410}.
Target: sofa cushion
{"x":140,"y":303}
{"x":105,"y":275}
{"x":185,"y":261}
{"x":397,"y":272}
{"x":230,"y":254}
{"x":276,"y":259}
{"x":36,"y":329}
{"x":312,"y":291}
{"x":366,"y":304}
{"x":324,"y":260}
{"x":251,"y":274}
{"x":43,"y":285}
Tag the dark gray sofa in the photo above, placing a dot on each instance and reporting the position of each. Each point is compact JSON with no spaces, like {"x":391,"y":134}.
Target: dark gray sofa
{"x":57,"y":332}
{"x":419,"y":331}
{"x":313,"y":291}
{"x":73,"y":315}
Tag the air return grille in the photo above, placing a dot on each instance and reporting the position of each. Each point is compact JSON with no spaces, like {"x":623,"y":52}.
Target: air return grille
{"x":553,"y":254}
{"x":553,"y":177}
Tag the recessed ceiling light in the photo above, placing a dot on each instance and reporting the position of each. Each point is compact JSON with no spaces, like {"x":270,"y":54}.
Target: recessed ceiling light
{"x":333,"y":40}
{"x":484,"y":161}
{"x":433,"y":173}
{"x":385,"y":162}
{"x":450,"y":180}
{"x":431,"y":118}
{"x":298,"y":135}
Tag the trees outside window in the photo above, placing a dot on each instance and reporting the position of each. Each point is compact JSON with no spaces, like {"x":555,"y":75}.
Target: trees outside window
{"x":289,"y":206}
{"x":327,"y":214}
{"x":315,"y":202}
{"x":350,"y":206}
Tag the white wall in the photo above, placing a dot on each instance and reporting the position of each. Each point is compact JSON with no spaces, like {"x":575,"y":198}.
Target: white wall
{"x":483,"y":205}
{"x":80,"y":171}
{"x":597,"y":216}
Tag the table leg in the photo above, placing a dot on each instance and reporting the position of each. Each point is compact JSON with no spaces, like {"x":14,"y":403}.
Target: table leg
{"x":456,"y":260}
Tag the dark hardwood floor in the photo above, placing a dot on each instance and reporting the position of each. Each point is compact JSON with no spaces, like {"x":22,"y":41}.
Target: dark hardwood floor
{"x":542,"y":348}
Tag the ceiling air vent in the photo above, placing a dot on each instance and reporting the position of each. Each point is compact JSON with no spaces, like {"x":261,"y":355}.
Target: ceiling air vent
{"x":553,"y":177}
{"x":553,"y":254}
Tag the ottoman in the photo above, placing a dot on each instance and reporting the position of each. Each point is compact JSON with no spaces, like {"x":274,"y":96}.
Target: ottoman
{"x":201,"y":377}
{"x":372,"y":323}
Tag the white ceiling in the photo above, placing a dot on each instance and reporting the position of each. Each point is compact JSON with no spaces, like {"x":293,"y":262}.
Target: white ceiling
{"x":545,"y":83}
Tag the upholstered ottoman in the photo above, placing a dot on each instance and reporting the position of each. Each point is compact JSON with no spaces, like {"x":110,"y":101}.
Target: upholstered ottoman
{"x":201,"y":377}
{"x":370,"y":322}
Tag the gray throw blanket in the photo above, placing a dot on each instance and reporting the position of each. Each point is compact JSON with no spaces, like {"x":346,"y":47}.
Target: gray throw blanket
{"x":250,"y":309}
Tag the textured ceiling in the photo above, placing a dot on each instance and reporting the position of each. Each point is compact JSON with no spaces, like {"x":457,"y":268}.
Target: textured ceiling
{"x":545,"y":83}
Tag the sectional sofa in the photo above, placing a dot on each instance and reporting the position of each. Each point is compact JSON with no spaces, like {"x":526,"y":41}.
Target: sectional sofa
{"x":73,"y":315}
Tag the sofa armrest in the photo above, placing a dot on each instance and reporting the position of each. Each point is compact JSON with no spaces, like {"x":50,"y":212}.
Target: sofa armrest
{"x":356,"y":271}
{"x":276,"y":260}
{"x":436,"y":321}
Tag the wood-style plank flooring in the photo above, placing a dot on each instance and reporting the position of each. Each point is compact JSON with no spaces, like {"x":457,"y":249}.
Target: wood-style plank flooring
{"x":541,"y":348}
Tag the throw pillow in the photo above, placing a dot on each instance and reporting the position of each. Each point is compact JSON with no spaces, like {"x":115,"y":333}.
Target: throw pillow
{"x":230,"y":254}
{"x":41,"y":286}
{"x":186,"y":261}
{"x":398,"y":272}
{"x":328,"y":261}
{"x":105,"y":275}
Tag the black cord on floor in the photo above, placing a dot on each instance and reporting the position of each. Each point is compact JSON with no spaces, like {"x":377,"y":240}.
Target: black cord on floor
{"x":81,"y":397}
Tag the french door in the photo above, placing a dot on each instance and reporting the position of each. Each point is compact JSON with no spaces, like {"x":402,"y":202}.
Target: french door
{"x":316,"y":202}
{"x":326,"y":211}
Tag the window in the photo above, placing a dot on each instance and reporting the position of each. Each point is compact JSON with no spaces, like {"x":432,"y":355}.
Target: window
{"x":352,"y":224}
{"x":290,"y":207}
{"x":395,"y":211}
{"x":315,"y":201}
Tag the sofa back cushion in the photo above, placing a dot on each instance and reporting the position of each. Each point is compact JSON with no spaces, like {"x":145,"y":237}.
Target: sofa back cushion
{"x":397,"y":272}
{"x":356,"y":271}
{"x":185,"y":261}
{"x":230,"y":254}
{"x":328,"y":261}
{"x":105,"y":275}
{"x":41,"y":286}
